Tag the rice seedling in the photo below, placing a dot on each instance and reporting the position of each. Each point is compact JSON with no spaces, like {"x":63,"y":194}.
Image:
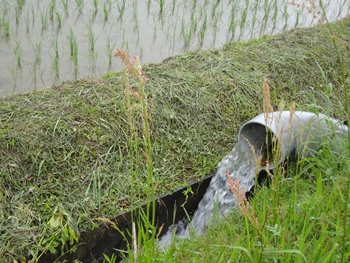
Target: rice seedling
{"x":265,"y":17}
{"x":233,"y":22}
{"x":43,"y":18}
{"x":13,"y":76}
{"x":194,"y":23}
{"x":33,"y":71}
{"x":58,"y":19}
{"x":19,"y":4}
{"x":91,"y":36}
{"x":173,"y":7}
{"x":72,"y":41}
{"x":275,"y":13}
{"x":95,"y":6}
{"x":65,"y":7}
{"x":202,"y":30}
{"x":54,"y":45}
{"x":33,"y":13}
{"x":148,"y":5}
{"x":18,"y":53}
{"x":286,"y":17}
{"x":105,"y":11}
{"x":135,"y":17}
{"x":109,"y":49}
{"x":37,"y":51}
{"x":216,"y":19}
{"x":186,"y":34}
{"x":161,"y":6}
{"x":75,"y":59}
{"x":93,"y":60}
{"x":80,"y":5}
{"x":52,"y":11}
{"x":6,"y":28}
{"x":56,"y":67}
{"x":254,"y":15}
{"x":243,"y":19}
{"x":121,"y":7}
{"x":27,"y":22}
{"x":18,"y":13}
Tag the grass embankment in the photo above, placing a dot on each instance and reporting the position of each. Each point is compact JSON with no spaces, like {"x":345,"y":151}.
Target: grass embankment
{"x":66,"y":156}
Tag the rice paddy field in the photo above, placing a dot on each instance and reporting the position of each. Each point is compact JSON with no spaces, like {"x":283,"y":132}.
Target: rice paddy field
{"x":81,"y":149}
{"x":45,"y":42}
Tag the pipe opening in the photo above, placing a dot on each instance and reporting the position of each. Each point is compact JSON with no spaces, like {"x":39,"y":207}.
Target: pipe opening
{"x":262,"y":139}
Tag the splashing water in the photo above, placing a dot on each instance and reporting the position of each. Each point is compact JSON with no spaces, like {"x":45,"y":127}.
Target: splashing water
{"x":218,"y":199}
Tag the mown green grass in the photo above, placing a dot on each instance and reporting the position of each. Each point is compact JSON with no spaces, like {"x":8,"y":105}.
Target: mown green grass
{"x":65,"y":158}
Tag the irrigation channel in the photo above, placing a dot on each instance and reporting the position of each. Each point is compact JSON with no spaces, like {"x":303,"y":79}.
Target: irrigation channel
{"x":45,"y":42}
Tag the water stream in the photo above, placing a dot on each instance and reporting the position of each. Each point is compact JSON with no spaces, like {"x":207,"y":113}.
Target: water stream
{"x":219,"y":200}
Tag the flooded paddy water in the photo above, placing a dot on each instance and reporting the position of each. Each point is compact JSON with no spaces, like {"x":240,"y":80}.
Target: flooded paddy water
{"x":45,"y":42}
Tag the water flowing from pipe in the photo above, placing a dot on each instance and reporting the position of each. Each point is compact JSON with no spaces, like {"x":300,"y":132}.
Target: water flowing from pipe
{"x":218,"y":199}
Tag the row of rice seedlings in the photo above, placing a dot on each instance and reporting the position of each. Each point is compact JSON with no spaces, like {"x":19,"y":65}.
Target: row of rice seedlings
{"x":204,"y":19}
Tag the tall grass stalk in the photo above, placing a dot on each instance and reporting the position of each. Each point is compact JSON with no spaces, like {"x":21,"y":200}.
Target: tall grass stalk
{"x":133,"y":68}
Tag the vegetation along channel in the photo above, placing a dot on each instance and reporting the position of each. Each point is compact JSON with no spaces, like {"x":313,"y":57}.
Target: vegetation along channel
{"x":75,"y":155}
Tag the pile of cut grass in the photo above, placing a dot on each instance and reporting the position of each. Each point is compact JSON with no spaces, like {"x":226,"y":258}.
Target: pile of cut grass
{"x":64,"y":153}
